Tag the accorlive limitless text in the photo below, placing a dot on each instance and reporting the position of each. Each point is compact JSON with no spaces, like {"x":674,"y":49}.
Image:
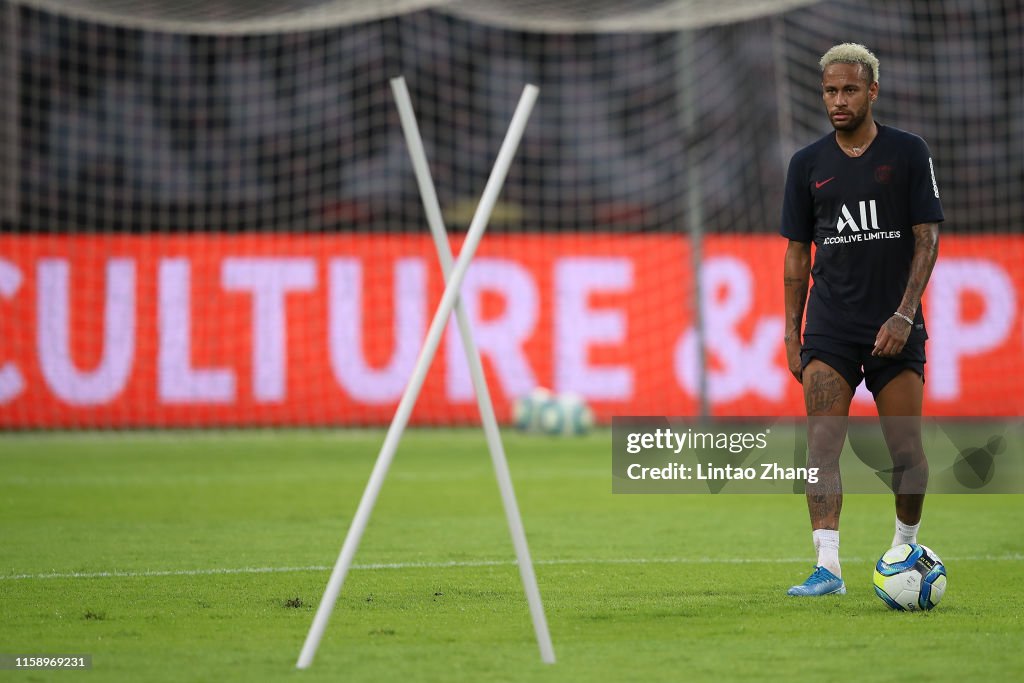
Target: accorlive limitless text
{"x":734,"y":442}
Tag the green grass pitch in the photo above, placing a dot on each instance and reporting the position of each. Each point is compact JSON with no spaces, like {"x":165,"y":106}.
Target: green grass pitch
{"x":200,"y":557}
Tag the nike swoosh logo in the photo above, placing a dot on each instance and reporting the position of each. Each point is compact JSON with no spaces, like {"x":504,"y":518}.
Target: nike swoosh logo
{"x":823,"y":183}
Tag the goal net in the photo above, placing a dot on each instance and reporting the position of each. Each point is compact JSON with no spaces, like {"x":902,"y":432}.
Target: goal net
{"x":208,"y":215}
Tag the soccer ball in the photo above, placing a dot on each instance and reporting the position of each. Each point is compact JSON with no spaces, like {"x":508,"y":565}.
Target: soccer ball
{"x":910,"y":577}
{"x":526,"y":409}
{"x":544,"y":412}
{"x":566,"y":415}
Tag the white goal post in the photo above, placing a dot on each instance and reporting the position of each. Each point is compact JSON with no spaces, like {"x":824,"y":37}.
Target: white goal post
{"x":454,"y":275}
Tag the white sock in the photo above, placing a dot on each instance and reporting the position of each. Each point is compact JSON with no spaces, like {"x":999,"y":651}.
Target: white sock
{"x":826,"y":542}
{"x":905,"y":533}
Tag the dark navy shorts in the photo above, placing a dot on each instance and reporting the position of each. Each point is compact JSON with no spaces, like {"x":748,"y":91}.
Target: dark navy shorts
{"x":855,"y":362}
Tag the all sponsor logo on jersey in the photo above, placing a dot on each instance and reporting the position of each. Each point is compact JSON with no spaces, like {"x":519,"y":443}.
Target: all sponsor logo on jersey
{"x":846,"y":219}
{"x":863,"y":230}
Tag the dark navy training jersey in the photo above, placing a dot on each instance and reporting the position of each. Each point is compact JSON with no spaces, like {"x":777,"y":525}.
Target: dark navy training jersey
{"x":859,"y":212}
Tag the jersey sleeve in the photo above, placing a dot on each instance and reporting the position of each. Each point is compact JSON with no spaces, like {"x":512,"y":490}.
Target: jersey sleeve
{"x":925,"y":206}
{"x":797,"y":203}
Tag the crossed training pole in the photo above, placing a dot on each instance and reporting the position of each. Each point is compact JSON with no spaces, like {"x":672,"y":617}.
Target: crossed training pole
{"x":454,"y":274}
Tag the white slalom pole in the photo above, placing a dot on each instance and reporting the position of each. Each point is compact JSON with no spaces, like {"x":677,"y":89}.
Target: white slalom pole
{"x":419,"y":373}
{"x":490,"y":422}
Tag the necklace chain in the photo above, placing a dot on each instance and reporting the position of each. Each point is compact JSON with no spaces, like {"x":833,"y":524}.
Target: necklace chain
{"x":856,"y":151}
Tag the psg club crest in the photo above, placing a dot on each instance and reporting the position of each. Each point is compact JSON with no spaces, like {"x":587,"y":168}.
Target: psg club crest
{"x":883,"y":174}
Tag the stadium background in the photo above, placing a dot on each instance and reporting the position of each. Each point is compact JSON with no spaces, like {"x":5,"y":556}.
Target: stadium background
{"x":209,"y":217}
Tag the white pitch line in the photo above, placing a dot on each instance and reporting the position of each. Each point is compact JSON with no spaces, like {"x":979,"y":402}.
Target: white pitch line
{"x":1013,"y":557}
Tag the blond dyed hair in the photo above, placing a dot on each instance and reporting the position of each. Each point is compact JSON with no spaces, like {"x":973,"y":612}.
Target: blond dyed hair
{"x":852,"y":53}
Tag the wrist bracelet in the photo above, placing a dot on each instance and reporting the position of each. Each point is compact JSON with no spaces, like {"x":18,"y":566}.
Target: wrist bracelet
{"x":899,"y":315}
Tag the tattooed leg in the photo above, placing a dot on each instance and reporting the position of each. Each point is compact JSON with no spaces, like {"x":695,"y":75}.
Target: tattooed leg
{"x":823,"y":390}
{"x":827,"y":398}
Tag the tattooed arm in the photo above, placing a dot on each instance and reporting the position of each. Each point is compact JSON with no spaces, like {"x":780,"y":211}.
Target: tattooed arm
{"x":894,"y":333}
{"x":797,"y":275}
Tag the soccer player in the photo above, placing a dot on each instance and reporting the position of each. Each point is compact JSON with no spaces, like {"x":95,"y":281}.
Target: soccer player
{"x":866,"y":196}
